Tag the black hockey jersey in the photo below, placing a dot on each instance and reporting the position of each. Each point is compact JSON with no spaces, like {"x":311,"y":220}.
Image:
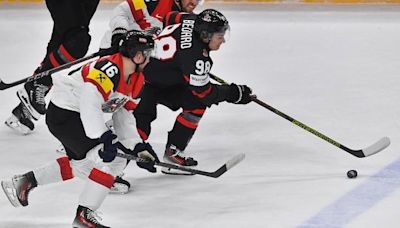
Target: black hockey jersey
{"x":182,"y":58}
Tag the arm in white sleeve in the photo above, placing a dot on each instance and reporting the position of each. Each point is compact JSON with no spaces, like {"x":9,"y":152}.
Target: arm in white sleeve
{"x":122,"y":18}
{"x":90,"y":111}
{"x":125,"y":128}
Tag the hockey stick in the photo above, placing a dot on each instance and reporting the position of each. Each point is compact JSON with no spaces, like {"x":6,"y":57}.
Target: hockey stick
{"x":217,"y":173}
{"x":103,"y":52}
{"x":372,"y":149}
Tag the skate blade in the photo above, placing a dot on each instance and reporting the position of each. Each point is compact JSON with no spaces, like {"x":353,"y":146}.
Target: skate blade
{"x":17,"y":127}
{"x":11,"y":193}
{"x":120,"y":189}
{"x":170,"y":171}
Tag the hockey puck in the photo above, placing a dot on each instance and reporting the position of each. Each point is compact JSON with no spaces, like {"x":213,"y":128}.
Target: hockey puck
{"x":352,"y":173}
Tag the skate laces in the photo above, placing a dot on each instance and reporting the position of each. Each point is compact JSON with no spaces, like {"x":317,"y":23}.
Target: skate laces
{"x":94,"y":216}
{"x":174,"y":152}
{"x":40,"y":92}
{"x":25,"y":113}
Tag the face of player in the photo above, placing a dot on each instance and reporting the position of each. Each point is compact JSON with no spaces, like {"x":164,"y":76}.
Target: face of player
{"x":143,"y":59}
{"x":216,"y":40}
{"x":189,"y":5}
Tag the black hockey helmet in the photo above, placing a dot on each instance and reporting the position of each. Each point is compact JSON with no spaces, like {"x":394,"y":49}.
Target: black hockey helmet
{"x":135,"y":41}
{"x":210,"y":21}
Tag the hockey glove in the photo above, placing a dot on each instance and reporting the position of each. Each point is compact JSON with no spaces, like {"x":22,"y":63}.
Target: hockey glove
{"x":153,"y":31}
{"x":239,"y":94}
{"x":109,"y":151}
{"x":144,"y":150}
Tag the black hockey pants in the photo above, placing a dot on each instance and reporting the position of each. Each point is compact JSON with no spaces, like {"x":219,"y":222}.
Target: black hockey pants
{"x":67,"y":127}
{"x":70,"y":37}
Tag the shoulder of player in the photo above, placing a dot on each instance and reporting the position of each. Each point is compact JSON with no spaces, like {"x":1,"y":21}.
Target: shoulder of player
{"x":176,"y":17}
{"x":105,"y":74}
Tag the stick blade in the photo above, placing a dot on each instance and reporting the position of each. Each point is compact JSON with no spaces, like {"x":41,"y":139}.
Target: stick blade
{"x":235,"y":160}
{"x":376,"y":147}
{"x":228,"y":165}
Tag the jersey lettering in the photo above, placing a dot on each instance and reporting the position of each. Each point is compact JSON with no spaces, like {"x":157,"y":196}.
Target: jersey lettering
{"x":199,"y":80}
{"x":186,"y":34}
{"x":110,"y":69}
{"x":202,"y":67}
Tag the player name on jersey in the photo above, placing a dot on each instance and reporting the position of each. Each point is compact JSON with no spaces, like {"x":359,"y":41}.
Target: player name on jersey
{"x":186,"y":34}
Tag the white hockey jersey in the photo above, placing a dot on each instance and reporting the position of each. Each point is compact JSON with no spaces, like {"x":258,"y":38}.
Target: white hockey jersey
{"x":97,"y":87}
{"x":131,"y":15}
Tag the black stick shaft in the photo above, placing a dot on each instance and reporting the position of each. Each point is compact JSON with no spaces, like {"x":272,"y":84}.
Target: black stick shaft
{"x":357,"y":153}
{"x":47,"y":73}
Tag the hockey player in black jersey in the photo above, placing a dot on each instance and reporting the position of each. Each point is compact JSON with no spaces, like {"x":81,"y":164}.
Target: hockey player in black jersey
{"x":69,"y":41}
{"x":177,"y":77}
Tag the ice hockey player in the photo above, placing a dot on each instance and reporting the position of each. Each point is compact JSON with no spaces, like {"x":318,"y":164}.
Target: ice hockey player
{"x":112,"y":84}
{"x":139,"y":15}
{"x":178,"y":78}
{"x":142,"y":15}
{"x":69,"y":40}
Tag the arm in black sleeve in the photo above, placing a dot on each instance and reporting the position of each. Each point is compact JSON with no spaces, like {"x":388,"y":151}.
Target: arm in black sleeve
{"x":214,"y":94}
{"x":211,"y":93}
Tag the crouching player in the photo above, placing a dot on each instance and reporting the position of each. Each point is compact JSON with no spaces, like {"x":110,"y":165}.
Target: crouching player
{"x":111,"y":84}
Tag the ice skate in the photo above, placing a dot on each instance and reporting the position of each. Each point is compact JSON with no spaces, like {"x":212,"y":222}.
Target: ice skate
{"x":85,"y":218}
{"x":174,"y":156}
{"x":20,"y":120}
{"x":17,"y":190}
{"x":120,"y":186}
{"x":32,"y":96}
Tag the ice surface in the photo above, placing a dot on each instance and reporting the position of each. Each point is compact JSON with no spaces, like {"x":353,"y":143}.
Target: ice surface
{"x":334,"y":68}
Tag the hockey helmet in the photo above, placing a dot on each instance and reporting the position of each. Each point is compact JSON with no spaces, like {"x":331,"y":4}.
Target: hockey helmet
{"x":135,"y":41}
{"x":210,"y":21}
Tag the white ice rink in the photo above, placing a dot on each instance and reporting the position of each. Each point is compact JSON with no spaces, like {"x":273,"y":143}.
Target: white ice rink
{"x":337,"y":69}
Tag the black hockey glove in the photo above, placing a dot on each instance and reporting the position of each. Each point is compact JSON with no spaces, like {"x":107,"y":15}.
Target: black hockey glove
{"x":117,"y":35}
{"x":239,"y":94}
{"x":144,"y":150}
{"x":109,"y":151}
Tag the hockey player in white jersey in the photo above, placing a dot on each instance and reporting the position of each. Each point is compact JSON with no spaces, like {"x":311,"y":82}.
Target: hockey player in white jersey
{"x":139,"y":15}
{"x":142,"y":15}
{"x":111,"y":84}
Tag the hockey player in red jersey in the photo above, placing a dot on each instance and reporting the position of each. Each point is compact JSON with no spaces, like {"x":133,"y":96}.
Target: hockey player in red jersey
{"x":141,"y":15}
{"x":178,"y":78}
{"x":112,"y":84}
{"x":69,"y":40}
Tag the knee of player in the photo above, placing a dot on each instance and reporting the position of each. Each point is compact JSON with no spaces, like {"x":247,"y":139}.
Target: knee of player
{"x":77,"y":41}
{"x":114,"y":167}
{"x":190,"y":119}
